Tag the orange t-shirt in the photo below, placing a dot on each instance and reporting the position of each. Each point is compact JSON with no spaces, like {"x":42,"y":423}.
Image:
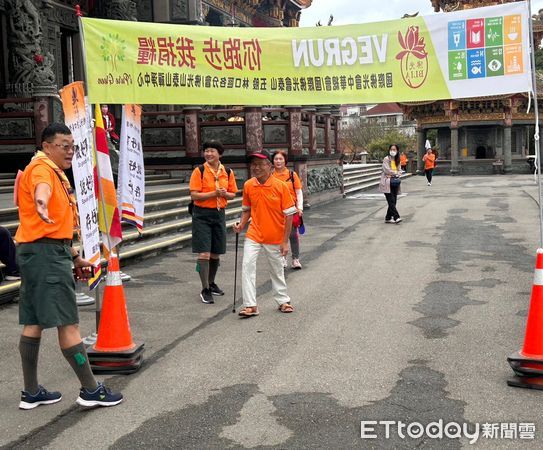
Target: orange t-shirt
{"x":403,"y":159}
{"x":269,"y":204}
{"x":429,"y":160}
{"x":207,"y":184}
{"x":285,"y":177}
{"x":31,"y":227}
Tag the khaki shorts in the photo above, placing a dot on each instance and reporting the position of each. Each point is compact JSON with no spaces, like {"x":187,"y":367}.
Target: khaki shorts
{"x":47,"y":294}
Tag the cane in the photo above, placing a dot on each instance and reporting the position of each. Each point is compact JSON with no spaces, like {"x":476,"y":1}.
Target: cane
{"x":235,"y":272}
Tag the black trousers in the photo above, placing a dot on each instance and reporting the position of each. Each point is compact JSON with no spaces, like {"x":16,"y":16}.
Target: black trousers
{"x":429,"y":173}
{"x":392,"y":198}
{"x":7,"y":251}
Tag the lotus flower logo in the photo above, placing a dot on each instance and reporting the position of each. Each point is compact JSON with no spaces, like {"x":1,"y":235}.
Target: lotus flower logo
{"x":413,"y":57}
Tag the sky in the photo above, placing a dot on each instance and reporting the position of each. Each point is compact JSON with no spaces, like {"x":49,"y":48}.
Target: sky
{"x":362,"y":11}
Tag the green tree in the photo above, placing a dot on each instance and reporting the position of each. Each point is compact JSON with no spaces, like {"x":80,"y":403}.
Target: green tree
{"x":378,"y":148}
{"x":358,"y":135}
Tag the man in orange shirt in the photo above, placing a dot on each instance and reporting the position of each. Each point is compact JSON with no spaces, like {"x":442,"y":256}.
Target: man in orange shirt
{"x":211,"y":186}
{"x":269,"y":205}
{"x":403,"y":161}
{"x":48,"y":216}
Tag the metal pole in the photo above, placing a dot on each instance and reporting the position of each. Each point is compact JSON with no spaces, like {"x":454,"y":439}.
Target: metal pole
{"x":536,"y":134}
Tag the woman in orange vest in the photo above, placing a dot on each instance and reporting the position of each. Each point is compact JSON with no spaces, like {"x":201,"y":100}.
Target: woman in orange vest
{"x":294,"y":184}
{"x":429,"y":163}
{"x":403,"y":161}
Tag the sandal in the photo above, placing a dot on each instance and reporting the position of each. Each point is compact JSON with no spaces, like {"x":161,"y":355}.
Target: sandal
{"x":286,"y":308}
{"x":248,"y":311}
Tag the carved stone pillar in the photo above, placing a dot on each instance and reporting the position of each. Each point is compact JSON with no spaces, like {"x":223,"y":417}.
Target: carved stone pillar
{"x":29,"y":69}
{"x":295,"y":126}
{"x":42,"y":116}
{"x":327,"y":133}
{"x":253,"y":129}
{"x":507,"y":159}
{"x":312,"y":131}
{"x":421,"y":140}
{"x":192,"y":137}
{"x":454,"y":150}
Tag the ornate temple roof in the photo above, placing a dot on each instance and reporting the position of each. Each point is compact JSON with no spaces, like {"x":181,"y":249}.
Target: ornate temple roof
{"x":302,"y":3}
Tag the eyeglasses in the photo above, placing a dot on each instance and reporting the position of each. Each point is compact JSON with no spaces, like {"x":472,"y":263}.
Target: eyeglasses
{"x":65,"y":147}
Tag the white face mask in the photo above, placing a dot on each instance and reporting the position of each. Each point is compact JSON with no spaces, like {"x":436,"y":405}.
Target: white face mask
{"x":393,"y":153}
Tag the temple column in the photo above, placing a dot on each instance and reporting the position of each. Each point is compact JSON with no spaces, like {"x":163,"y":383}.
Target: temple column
{"x":421,"y":139}
{"x":295,"y":128}
{"x":312,"y":131}
{"x":192,"y":136}
{"x":507,"y":159}
{"x":253,"y":129}
{"x":454,"y":151}
{"x":327,"y":134}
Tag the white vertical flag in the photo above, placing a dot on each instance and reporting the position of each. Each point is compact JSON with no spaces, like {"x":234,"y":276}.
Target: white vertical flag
{"x":131,"y":184}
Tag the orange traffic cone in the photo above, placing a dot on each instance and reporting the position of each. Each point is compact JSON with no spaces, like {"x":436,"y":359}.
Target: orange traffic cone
{"x":528,"y":363}
{"x":114,"y":351}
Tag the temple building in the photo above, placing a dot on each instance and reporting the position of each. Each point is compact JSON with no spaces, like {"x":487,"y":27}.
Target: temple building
{"x":40,"y":51}
{"x":478,"y":135}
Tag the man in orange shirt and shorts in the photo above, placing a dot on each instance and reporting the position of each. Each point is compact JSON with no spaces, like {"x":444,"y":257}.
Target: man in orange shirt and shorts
{"x":269,"y":205}
{"x":48,"y":216}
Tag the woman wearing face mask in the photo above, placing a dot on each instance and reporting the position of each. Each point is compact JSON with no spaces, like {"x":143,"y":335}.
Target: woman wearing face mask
{"x":390,"y":183}
{"x":294,"y":184}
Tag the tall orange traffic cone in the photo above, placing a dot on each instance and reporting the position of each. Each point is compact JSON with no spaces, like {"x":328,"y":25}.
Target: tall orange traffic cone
{"x":528,"y":363}
{"x":115,"y":351}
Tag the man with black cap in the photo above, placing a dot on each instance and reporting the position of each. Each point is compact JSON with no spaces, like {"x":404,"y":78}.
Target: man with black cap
{"x":269,"y":205}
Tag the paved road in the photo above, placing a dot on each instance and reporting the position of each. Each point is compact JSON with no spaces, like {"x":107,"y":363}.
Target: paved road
{"x":409,"y":322}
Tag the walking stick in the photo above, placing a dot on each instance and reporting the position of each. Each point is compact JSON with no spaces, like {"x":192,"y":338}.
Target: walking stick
{"x":235,"y":272}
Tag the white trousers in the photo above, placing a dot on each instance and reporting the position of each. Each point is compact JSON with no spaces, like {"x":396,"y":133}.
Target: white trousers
{"x":251,"y":249}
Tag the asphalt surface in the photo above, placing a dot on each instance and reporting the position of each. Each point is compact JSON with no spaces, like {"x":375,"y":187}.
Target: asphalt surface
{"x":410,"y":322}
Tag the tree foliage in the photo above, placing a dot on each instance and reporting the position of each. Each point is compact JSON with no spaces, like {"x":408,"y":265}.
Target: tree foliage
{"x":358,"y":135}
{"x":378,"y":148}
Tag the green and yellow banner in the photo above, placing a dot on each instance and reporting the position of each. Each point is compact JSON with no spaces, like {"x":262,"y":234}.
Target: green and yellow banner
{"x":478,"y":52}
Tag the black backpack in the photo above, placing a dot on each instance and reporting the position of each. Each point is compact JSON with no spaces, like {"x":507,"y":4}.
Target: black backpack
{"x":190,"y":206}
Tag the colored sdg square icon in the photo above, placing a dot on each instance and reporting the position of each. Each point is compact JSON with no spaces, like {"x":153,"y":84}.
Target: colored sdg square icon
{"x":457,"y":35}
{"x":476,"y":33}
{"x":513,"y":59}
{"x":512,"y":29}
{"x":458,"y":65}
{"x":494,"y":62}
{"x":494,"y":31}
{"x":476,"y":63}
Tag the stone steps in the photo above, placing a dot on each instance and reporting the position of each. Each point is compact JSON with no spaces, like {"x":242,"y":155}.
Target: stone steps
{"x":167,"y":225}
{"x":361,"y":177}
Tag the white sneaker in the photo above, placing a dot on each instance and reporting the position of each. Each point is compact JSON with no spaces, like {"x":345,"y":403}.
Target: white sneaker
{"x":284,"y":262}
{"x":429,"y":184}
{"x":389,"y":221}
{"x":398,"y":220}
{"x":125,"y":276}
{"x":296,"y":264}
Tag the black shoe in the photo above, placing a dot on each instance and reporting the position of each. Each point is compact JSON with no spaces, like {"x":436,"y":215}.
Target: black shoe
{"x":215,"y":290}
{"x":101,"y":396}
{"x":206,"y":296}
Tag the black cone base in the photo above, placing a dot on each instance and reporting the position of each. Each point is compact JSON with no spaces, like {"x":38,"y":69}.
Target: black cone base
{"x":125,"y":362}
{"x":526,"y":382}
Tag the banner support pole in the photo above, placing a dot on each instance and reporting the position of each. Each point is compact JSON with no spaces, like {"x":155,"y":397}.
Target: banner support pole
{"x":536,"y":133}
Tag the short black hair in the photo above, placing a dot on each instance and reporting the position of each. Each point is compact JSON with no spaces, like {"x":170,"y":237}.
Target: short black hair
{"x":53,"y":129}
{"x":213,"y":144}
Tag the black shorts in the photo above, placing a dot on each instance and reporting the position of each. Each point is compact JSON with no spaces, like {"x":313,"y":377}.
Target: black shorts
{"x":208,"y":230}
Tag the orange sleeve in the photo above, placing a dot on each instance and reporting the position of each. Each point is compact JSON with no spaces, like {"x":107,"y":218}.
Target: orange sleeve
{"x":232,"y":185}
{"x":297,"y":181}
{"x":40,"y":174}
{"x":195,"y":183}
{"x":246,"y":199}
{"x":286,"y":198}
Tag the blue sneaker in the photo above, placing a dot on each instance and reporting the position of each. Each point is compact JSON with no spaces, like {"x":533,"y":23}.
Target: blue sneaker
{"x":42,"y":397}
{"x":102,"y":396}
